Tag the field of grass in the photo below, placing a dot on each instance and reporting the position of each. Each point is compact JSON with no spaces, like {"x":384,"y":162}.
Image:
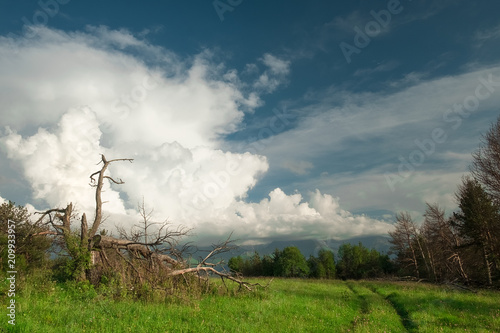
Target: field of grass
{"x":288,"y":305}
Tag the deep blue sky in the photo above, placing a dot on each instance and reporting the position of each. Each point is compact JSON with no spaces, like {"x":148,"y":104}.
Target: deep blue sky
{"x":352,"y":123}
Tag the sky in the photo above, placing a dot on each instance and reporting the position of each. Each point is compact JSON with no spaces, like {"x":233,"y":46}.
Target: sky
{"x":273,"y":120}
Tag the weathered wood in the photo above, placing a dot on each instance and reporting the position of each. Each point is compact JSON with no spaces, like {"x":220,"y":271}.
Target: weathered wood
{"x":245,"y":284}
{"x":107,"y":242}
{"x":98,"y":185}
{"x":84,"y":229}
{"x":146,"y":263}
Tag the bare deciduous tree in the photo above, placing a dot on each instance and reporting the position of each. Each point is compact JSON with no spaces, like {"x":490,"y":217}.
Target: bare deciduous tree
{"x":444,"y":244}
{"x":486,"y":162}
{"x":403,"y":240}
{"x":149,"y":253}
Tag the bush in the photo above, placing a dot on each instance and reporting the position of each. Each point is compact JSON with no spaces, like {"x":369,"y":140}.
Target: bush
{"x":31,"y":245}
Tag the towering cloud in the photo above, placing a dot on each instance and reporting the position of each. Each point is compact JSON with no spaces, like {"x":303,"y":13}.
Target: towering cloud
{"x":69,"y":97}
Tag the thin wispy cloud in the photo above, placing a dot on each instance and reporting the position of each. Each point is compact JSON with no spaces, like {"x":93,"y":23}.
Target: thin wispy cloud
{"x":358,"y":138}
{"x":112,"y":103}
{"x":384,"y":67}
{"x":321,"y":120}
{"x":485,"y":36}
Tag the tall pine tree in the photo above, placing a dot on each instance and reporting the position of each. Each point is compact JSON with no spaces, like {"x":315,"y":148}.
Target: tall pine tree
{"x":476,"y":221}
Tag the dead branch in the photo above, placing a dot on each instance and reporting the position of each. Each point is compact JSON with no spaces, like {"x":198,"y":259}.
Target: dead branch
{"x":131,"y":265}
{"x":107,"y":242}
{"x":459,"y":286}
{"x":152,"y":250}
{"x":98,"y":185}
{"x":45,"y":233}
{"x":218,"y":249}
{"x":119,"y":181}
{"x":245,"y":284}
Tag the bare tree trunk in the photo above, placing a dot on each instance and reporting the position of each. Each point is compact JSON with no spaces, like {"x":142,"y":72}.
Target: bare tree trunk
{"x":107,"y":242}
{"x":432,"y":263}
{"x":402,"y":238}
{"x":98,"y":191}
{"x":487,"y":265}
{"x":461,"y":267}
{"x":459,"y":259}
{"x":79,"y":249}
{"x":415,"y":262}
{"x":84,"y":231}
{"x":422,"y":253}
{"x":491,"y":243}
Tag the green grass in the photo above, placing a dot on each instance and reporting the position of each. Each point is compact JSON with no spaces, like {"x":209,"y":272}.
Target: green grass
{"x":376,"y":313}
{"x":286,"y":306}
{"x":431,"y":308}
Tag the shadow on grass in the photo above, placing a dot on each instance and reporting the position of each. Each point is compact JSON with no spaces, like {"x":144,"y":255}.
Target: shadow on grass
{"x":362,"y":299}
{"x":363,"y":306}
{"x":399,"y":308}
{"x":402,"y":313}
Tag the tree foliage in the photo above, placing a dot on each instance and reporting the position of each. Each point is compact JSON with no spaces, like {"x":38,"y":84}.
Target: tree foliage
{"x":291,"y":263}
{"x":322,"y":267}
{"x":358,"y":262}
{"x":486,"y":162}
{"x":478,"y":223}
{"x":354,"y":262}
{"x":31,"y":239}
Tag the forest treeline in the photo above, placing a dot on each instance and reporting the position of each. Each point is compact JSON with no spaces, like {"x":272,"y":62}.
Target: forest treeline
{"x":354,"y":262}
{"x":461,"y":246}
{"x":465,"y":244}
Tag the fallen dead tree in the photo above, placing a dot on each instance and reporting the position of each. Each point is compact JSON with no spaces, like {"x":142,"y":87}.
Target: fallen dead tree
{"x":139,"y":256}
{"x":455,"y":285}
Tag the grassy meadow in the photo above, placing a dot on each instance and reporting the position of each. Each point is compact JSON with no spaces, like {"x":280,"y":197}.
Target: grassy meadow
{"x":288,"y":305}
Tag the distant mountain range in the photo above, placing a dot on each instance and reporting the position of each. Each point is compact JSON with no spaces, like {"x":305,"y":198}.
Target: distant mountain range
{"x":308,"y":246}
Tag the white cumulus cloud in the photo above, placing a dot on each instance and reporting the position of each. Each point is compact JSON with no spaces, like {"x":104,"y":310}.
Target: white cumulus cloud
{"x":70,"y":96}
